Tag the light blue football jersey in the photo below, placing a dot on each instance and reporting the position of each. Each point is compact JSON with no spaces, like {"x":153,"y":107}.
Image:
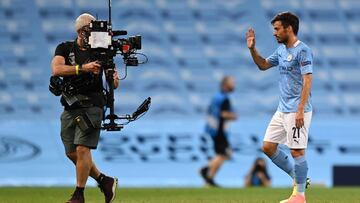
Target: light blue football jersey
{"x":292,"y":63}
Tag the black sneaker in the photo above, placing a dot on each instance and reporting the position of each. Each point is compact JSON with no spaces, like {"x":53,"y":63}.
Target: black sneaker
{"x":208,"y":181}
{"x":211,"y":183}
{"x":108,"y":186}
{"x":76,"y":197}
{"x":204,"y":174}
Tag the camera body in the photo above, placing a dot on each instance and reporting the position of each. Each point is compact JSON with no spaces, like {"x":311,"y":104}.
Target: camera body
{"x":100,"y":40}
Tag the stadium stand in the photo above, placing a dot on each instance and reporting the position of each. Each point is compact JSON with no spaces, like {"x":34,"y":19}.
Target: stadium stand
{"x":191,"y":45}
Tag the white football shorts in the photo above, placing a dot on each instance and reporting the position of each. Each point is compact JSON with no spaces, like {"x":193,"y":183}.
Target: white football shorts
{"x":282,"y":130}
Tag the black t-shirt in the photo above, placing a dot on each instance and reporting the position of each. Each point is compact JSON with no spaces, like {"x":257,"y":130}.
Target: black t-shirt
{"x":225,"y":106}
{"x":94,"y":89}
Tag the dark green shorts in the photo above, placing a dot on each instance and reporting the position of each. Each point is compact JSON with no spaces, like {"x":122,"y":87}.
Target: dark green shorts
{"x":72,"y":135}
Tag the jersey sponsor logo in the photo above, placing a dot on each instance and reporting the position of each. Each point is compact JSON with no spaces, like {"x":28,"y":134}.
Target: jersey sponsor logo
{"x":285,"y":70}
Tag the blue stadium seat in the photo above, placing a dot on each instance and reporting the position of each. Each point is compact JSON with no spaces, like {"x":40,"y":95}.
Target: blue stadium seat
{"x":352,"y":100}
{"x":168,"y":105}
{"x":348,"y":80}
{"x":190,"y":45}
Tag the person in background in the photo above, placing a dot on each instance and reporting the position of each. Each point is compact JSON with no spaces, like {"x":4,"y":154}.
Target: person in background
{"x":219,"y":113}
{"x":258,"y":175}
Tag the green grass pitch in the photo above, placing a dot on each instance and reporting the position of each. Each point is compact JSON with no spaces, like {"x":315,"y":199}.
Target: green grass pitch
{"x":177,"y":195}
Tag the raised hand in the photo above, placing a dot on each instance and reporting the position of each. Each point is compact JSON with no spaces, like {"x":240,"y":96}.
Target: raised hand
{"x":250,"y":38}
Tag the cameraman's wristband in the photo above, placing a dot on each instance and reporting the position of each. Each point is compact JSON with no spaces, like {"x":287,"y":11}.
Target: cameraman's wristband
{"x":77,"y":69}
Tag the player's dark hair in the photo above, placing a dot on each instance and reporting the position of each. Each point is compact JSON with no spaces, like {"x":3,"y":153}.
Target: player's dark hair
{"x":287,"y":19}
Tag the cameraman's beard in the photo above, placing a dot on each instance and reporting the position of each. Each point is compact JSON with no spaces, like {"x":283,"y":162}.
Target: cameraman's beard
{"x":82,"y":42}
{"x":83,"y":39}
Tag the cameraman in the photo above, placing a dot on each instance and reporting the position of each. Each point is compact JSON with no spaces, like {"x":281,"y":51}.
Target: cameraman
{"x":72,"y":62}
{"x":258,"y":175}
{"x":220,"y":113}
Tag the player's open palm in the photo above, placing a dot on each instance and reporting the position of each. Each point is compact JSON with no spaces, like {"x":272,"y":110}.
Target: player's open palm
{"x":250,"y":38}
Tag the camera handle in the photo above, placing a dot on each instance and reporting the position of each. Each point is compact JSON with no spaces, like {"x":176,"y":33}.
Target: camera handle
{"x":111,"y":125}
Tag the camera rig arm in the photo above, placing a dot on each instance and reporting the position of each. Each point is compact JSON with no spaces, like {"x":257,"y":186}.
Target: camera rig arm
{"x":113,"y":126}
{"x":103,"y":48}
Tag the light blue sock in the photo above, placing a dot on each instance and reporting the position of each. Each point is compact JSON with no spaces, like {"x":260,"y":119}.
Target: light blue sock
{"x":301,"y":169}
{"x":281,"y":159}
